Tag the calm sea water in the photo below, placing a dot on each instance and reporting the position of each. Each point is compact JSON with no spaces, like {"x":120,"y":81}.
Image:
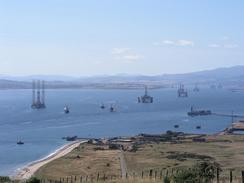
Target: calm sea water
{"x":42,"y":130}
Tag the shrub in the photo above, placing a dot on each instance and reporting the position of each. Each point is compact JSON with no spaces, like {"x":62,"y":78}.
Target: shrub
{"x":203,"y":172}
{"x":33,"y":180}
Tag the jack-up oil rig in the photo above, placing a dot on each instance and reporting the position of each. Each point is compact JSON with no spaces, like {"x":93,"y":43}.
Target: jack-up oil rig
{"x":145,"y":98}
{"x":38,"y":94}
{"x":182,"y":91}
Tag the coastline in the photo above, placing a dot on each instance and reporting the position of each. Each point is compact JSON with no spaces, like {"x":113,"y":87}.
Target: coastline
{"x":27,"y":171}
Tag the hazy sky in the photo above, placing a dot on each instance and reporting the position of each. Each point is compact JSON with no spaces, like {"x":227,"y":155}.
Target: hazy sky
{"x":91,"y":37}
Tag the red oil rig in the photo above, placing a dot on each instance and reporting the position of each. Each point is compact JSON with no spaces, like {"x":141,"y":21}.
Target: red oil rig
{"x":38,"y":94}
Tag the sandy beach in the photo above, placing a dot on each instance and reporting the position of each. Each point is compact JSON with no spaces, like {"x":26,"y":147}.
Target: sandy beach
{"x":27,"y":171}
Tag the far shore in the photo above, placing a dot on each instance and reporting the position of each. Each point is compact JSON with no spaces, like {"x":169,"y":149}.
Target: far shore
{"x":29,"y":170}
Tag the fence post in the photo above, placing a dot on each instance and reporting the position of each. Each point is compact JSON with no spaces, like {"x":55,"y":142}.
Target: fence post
{"x":80,"y":179}
{"x":97,"y":176}
{"x":217,"y":175}
{"x":231,"y":176}
{"x":161,"y":175}
{"x":150,"y":173}
{"x":155,"y":174}
{"x":242,"y":176}
{"x":126,"y":175}
{"x":104,"y":177}
{"x":142,"y":174}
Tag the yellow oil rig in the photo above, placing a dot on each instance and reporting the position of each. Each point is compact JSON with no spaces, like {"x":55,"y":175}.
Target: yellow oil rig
{"x":145,"y":98}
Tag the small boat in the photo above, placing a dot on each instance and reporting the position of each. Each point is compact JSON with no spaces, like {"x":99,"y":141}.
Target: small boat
{"x":198,"y":127}
{"x":102,"y":106}
{"x":66,"y":109}
{"x":112,"y":109}
{"x":176,"y":126}
{"x":20,"y":142}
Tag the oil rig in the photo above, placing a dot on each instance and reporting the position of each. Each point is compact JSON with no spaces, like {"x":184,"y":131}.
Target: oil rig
{"x":38,"y":94}
{"x":196,"y":88}
{"x":182,"y":91}
{"x":145,"y":98}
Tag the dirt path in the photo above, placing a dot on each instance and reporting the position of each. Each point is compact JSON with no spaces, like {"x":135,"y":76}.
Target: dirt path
{"x":122,"y":164}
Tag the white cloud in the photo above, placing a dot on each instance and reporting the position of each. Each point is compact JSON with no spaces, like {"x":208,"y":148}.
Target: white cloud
{"x":126,"y":55}
{"x":231,"y":45}
{"x":180,"y":42}
{"x":214,"y":45}
{"x":227,"y":46}
{"x":120,"y":50}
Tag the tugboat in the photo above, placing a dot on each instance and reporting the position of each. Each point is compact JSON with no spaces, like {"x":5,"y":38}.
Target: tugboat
{"x":66,"y":109}
{"x":182,"y":91}
{"x":145,"y":98}
{"x":193,"y":112}
{"x":20,"y":142}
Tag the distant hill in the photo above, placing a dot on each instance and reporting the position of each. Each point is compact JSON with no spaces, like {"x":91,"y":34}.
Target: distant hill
{"x":233,"y":76}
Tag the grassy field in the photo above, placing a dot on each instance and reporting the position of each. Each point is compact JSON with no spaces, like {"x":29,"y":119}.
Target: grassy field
{"x":82,"y":161}
{"x":227,"y":151}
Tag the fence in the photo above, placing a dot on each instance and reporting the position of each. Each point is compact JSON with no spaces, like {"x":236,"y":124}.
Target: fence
{"x":150,"y":175}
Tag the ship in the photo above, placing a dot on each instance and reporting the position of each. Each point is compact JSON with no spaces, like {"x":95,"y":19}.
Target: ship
{"x":145,"y":98}
{"x":193,"y":112}
{"x":182,"y":91}
{"x":20,"y":142}
{"x":66,"y":109}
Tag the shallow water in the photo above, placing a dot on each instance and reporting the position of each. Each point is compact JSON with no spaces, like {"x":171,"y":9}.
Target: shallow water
{"x":42,"y":130}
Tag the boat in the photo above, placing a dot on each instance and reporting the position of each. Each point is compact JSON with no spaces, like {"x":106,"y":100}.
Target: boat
{"x":193,"y":112}
{"x":102,"y":106}
{"x":176,"y":126}
{"x":112,"y":109}
{"x":182,"y":91}
{"x":145,"y":98}
{"x":66,"y":109}
{"x":20,"y":142}
{"x":198,"y":127}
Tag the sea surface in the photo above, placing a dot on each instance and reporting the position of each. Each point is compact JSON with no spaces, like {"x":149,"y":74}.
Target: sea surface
{"x":42,"y":130}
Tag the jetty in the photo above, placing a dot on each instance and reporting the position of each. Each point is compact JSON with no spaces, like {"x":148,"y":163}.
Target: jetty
{"x":236,"y":126}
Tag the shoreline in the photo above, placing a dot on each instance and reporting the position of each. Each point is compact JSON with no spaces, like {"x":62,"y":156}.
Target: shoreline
{"x":27,"y":171}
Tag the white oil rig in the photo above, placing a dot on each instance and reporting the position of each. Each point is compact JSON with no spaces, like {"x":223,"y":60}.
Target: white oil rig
{"x":145,"y":98}
{"x":38,"y":94}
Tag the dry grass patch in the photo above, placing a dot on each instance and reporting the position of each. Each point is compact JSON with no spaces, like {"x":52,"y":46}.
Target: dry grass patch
{"x":84,"y":160}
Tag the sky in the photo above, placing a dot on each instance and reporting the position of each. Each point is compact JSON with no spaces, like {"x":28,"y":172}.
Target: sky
{"x":97,"y":37}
